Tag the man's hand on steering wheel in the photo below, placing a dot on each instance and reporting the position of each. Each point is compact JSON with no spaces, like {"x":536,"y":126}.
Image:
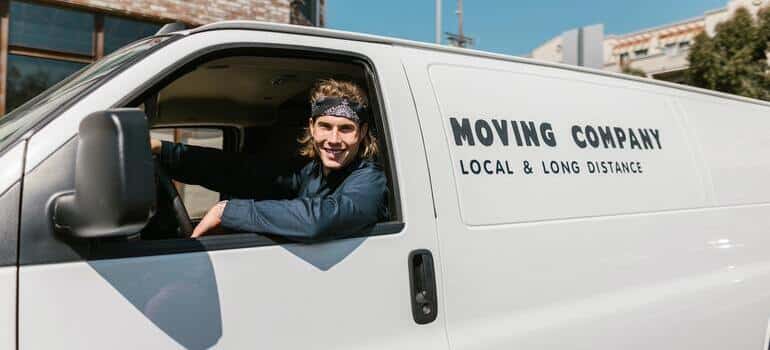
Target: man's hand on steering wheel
{"x":210,"y":222}
{"x":165,"y":183}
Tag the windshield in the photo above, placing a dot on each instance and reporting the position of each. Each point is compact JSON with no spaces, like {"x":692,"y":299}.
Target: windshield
{"x":16,"y":123}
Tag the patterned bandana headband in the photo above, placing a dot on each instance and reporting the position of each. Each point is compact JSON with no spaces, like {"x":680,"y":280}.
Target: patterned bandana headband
{"x":339,"y":107}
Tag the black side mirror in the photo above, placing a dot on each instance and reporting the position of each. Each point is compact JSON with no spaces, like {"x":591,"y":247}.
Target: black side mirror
{"x":114,"y":182}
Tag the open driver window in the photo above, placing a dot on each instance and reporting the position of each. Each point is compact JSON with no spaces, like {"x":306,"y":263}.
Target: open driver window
{"x":261,"y":97}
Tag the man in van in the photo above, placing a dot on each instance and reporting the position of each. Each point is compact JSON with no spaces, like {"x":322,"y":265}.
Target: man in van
{"x":341,"y":190}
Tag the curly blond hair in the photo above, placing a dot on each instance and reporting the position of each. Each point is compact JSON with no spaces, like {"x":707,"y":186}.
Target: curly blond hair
{"x":369,"y":147}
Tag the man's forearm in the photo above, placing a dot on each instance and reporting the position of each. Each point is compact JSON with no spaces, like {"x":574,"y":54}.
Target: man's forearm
{"x":230,"y":173}
{"x":303,"y":219}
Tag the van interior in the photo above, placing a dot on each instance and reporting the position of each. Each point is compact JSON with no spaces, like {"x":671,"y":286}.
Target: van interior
{"x":245,"y":100}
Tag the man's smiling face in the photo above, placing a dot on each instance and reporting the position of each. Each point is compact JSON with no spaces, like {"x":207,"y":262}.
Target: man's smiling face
{"x":337,"y":140}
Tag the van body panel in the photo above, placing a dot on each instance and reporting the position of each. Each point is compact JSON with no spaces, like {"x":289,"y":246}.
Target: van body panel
{"x":537,"y":137}
{"x":8,"y":302}
{"x":82,"y":297}
{"x":668,"y":269}
{"x":9,"y":225}
{"x":734,"y":148}
{"x":10,"y":197}
{"x":37,"y":243}
{"x":349,"y":293}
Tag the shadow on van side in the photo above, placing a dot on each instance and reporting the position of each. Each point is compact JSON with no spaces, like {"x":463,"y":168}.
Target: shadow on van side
{"x":177,"y":293}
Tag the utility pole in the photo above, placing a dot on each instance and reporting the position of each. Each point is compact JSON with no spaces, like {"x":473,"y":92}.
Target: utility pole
{"x":459,"y":40}
{"x":438,"y":22}
{"x":460,"y":17}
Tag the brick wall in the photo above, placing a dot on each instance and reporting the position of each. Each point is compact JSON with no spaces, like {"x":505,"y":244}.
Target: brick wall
{"x":193,"y":12}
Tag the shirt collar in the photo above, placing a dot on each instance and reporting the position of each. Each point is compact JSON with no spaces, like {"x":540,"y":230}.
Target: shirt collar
{"x":336,"y":174}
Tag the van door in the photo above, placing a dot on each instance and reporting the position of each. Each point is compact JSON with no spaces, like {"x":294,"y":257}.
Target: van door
{"x":573,"y":211}
{"x":229,"y":291}
{"x":10,"y":196}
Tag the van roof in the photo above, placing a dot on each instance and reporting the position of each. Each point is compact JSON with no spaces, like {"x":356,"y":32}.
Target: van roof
{"x":339,"y":34}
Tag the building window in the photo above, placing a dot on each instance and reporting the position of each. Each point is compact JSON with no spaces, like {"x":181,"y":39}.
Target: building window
{"x":305,"y":12}
{"x":684,"y":45}
{"x":624,"y":58}
{"x":48,"y":43}
{"x":640,"y":53}
{"x":121,"y":31}
{"x":51,"y":28}
{"x":310,"y":10}
{"x":29,"y":76}
{"x":670,"y":49}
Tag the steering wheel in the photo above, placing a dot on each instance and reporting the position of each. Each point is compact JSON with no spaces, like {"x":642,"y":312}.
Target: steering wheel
{"x":180,"y":212}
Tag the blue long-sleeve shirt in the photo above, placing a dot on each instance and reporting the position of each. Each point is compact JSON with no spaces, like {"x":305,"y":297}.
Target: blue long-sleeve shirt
{"x":306,"y":205}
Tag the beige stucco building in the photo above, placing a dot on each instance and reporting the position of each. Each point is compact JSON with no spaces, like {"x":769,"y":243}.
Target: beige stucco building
{"x":661,"y":52}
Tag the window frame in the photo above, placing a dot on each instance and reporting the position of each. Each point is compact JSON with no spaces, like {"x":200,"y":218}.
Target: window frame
{"x":124,"y":248}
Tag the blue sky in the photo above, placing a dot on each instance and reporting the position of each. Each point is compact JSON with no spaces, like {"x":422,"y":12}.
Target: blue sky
{"x":508,"y":26}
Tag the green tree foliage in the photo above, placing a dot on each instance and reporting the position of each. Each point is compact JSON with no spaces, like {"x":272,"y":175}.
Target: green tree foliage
{"x":25,"y":86}
{"x":627,"y":69}
{"x":735,"y":59}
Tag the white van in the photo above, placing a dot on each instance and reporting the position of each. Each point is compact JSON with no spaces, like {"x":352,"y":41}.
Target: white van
{"x":533,"y":205}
